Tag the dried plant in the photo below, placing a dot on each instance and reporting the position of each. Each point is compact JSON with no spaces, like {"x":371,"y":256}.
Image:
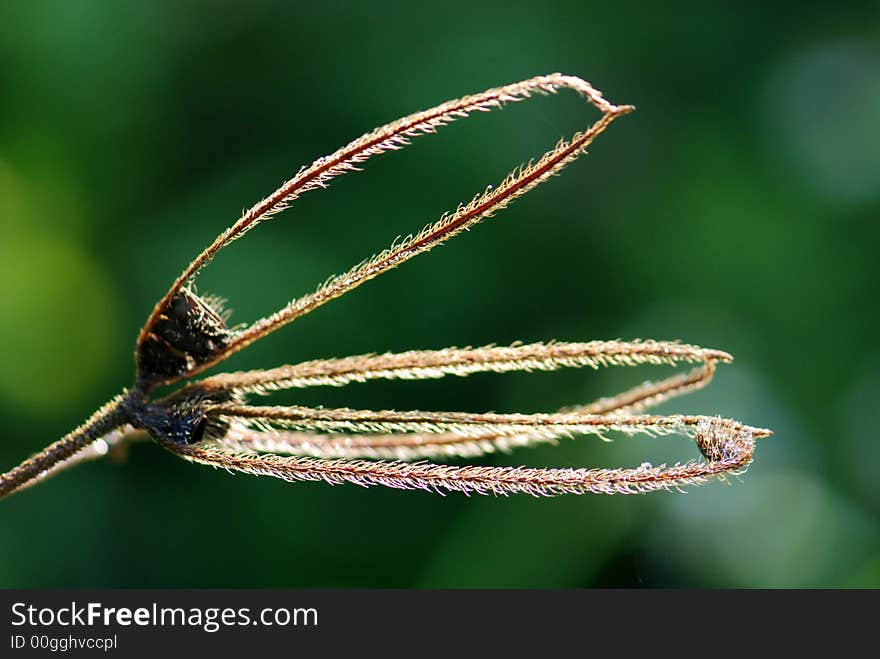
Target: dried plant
{"x":211,"y":422}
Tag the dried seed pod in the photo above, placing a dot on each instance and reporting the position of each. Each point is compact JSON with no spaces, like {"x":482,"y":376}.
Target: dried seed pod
{"x":210,"y":422}
{"x":187,"y":332}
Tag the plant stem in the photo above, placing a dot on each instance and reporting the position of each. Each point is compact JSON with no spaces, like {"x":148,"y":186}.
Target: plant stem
{"x":109,"y":417}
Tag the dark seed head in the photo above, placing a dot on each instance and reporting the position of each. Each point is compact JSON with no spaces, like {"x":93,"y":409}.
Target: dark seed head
{"x":177,"y":424}
{"x":183,"y":417}
{"x":186,"y":333}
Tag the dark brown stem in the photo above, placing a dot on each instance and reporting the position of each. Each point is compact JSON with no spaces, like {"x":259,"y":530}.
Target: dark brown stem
{"x":105,"y":420}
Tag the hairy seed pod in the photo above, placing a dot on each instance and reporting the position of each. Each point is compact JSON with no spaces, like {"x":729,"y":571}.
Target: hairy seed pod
{"x":212,"y":422}
{"x":187,"y":332}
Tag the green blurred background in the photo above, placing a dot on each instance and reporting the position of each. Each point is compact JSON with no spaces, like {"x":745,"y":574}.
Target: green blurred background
{"x":736,"y":209}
